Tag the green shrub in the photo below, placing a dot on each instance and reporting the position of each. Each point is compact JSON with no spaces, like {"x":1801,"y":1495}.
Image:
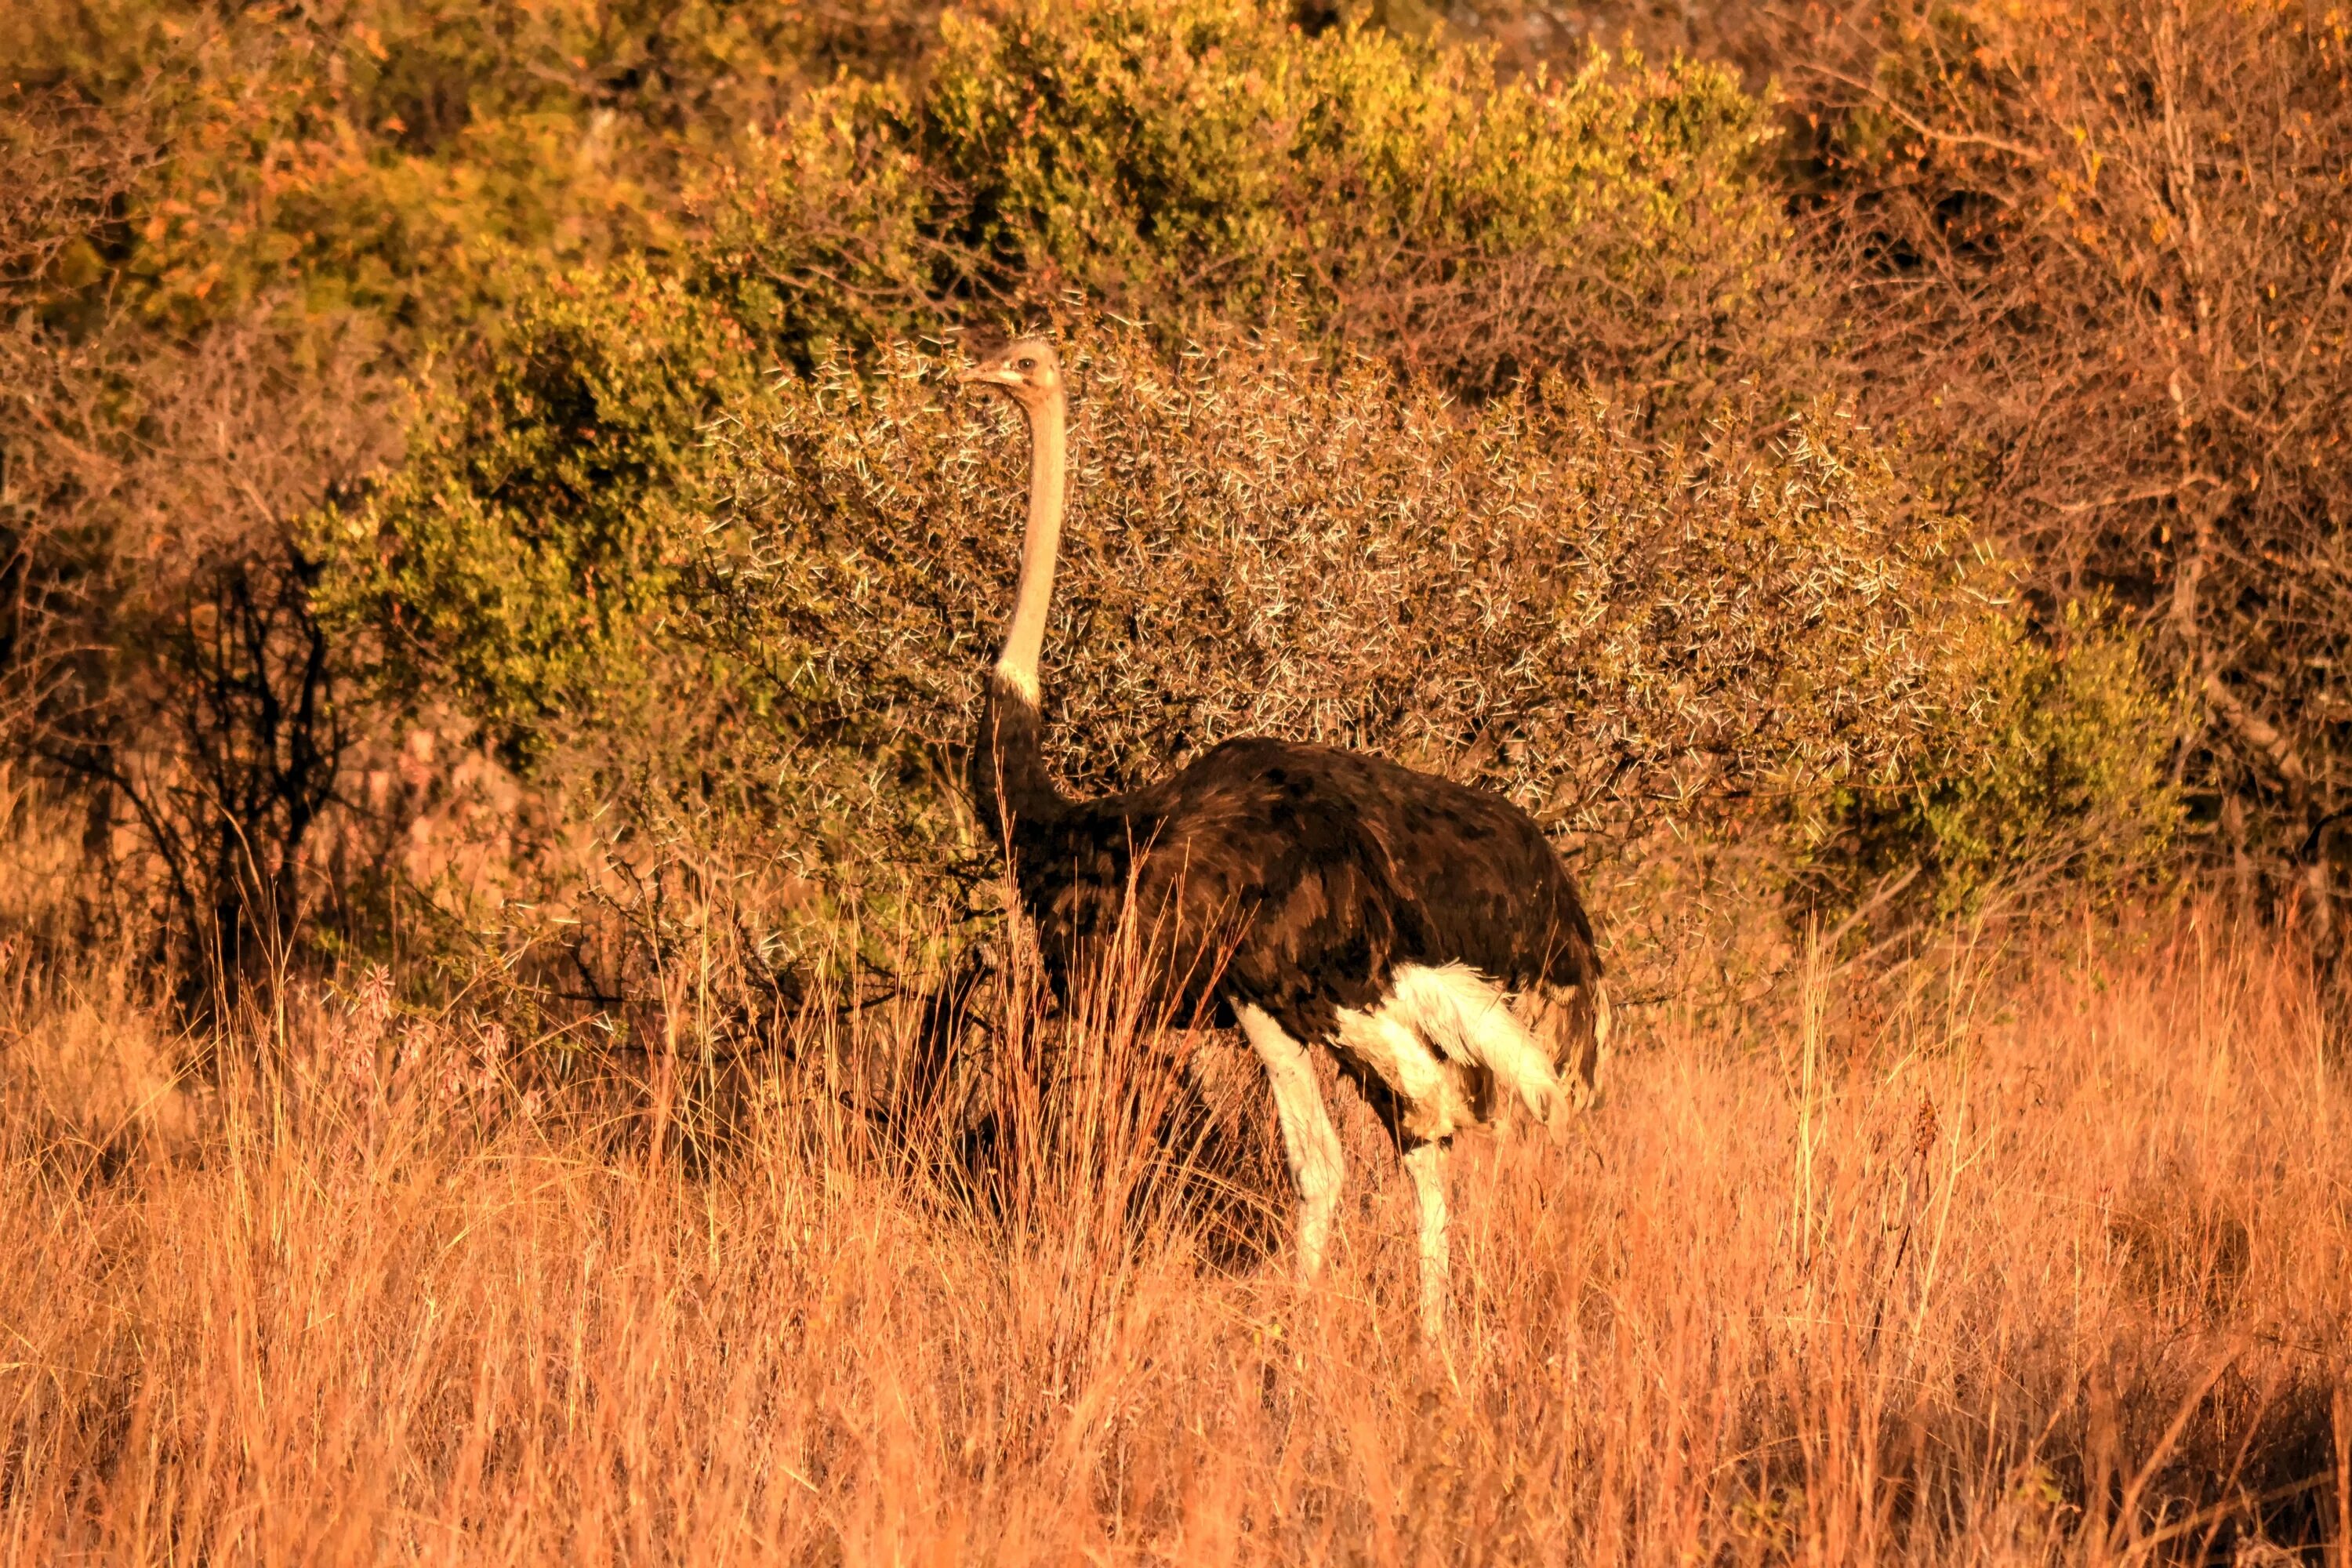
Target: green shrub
{"x":1186,"y":161}
{"x":2062,"y":769}
{"x":513,"y":564}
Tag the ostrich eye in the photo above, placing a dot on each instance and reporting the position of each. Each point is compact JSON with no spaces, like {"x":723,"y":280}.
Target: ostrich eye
{"x":1028,"y":364}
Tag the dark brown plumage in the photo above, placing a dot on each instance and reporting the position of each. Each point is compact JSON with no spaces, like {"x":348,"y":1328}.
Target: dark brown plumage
{"x":1294,"y":878}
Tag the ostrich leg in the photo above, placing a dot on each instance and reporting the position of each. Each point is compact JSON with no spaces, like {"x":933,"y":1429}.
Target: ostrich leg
{"x":1425,"y":1163}
{"x":1309,"y":1139}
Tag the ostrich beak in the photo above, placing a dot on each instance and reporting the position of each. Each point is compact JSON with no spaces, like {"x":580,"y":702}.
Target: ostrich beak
{"x":989,"y":375}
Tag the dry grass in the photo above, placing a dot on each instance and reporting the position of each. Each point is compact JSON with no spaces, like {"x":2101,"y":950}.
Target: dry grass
{"x":2051,"y":1268}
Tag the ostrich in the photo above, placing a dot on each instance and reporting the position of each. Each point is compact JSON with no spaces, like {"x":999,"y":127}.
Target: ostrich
{"x":1425,"y":931}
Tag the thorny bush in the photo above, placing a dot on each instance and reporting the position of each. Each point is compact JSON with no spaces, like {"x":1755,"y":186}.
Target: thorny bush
{"x":1515,"y":593}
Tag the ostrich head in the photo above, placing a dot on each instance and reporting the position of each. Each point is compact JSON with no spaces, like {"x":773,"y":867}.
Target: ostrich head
{"x":1027,"y":370}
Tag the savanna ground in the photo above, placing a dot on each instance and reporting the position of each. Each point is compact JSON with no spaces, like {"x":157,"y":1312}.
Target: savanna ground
{"x":2006,"y":1256}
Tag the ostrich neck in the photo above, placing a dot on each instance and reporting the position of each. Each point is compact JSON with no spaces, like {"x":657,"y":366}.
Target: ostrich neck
{"x":1011,"y":781}
{"x":1024,"y":634}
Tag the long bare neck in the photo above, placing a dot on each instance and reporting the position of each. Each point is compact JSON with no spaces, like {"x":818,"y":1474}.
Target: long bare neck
{"x":1011,"y":781}
{"x":1041,"y":545}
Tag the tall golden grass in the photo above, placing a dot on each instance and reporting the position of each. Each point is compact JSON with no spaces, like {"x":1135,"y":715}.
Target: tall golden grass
{"x":1991,"y":1260}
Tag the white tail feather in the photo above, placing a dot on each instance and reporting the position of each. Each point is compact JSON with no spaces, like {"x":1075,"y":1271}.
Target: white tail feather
{"x":1468,"y":1017}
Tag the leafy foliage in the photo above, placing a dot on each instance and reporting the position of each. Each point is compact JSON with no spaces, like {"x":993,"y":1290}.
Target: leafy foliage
{"x":1190,"y":160}
{"x":512,"y":562}
{"x":2064,"y":771}
{"x":394,"y":158}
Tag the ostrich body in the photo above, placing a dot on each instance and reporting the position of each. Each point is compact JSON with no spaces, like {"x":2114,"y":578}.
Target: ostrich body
{"x":1425,"y":931}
